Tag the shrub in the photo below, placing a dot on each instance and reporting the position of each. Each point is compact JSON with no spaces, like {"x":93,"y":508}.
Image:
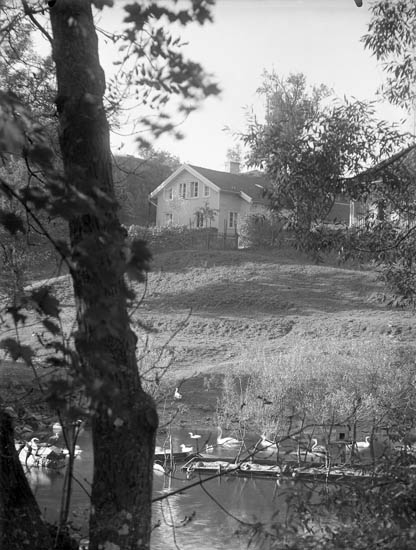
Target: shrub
{"x":172,"y":237}
{"x":262,"y":230}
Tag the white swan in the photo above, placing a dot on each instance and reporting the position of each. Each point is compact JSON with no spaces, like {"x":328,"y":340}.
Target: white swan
{"x":363,"y":444}
{"x":77,"y":451}
{"x":318,"y":449}
{"x":360,"y":445}
{"x":177,"y":395}
{"x":194,"y":436}
{"x":185,"y":448}
{"x":158,"y":468}
{"x":266,"y":444}
{"x":226,"y":441}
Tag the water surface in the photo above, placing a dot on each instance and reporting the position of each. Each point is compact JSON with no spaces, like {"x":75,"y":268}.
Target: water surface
{"x":215,"y":509}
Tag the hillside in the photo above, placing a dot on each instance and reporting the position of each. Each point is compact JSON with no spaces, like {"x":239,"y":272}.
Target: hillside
{"x":240,"y":299}
{"x":213,"y":312}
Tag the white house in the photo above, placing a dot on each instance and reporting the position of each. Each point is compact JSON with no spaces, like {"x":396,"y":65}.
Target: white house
{"x":230,"y":195}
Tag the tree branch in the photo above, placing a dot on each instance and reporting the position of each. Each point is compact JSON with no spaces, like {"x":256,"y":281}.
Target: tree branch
{"x":29,"y":12}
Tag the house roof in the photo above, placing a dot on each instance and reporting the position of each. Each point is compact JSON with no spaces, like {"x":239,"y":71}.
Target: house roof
{"x":250,"y":187}
{"x":405,"y":158}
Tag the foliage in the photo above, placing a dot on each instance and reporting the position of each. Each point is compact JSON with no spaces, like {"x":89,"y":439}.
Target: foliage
{"x":391,"y":38}
{"x":134,"y":179}
{"x":153,"y":71}
{"x":262,"y":230}
{"x":234,"y":153}
{"x":172,"y":237}
{"x":206,"y":213}
{"x":324,"y":386}
{"x":309,"y":391}
{"x":309,"y":144}
{"x":96,"y":365}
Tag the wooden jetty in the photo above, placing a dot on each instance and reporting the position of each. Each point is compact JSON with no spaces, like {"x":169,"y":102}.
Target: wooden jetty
{"x":210,"y":465}
{"x":197,"y":465}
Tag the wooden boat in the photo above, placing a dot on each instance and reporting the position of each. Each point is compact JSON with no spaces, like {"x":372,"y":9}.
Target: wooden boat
{"x":332,"y":474}
{"x":177,"y":457}
{"x":244,"y":469}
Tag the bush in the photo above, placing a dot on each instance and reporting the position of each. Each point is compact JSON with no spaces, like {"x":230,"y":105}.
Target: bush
{"x":172,"y":237}
{"x":262,"y":230}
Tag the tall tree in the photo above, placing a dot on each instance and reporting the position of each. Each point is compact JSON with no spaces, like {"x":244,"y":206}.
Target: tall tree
{"x":124,"y":418}
{"x":391,"y":37}
{"x":308,"y":144}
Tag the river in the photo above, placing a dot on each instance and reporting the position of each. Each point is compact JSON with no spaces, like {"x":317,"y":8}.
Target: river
{"x":215,"y":510}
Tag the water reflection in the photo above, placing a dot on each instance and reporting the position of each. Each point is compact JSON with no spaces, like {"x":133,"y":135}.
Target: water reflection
{"x":199,"y":517}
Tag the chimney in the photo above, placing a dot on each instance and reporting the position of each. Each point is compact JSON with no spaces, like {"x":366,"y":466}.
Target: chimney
{"x":232,"y":166}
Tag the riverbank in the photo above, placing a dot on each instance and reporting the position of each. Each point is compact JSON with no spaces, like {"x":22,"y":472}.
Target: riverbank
{"x":214,"y":313}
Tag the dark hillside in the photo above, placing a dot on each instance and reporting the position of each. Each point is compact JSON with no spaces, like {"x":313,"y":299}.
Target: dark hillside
{"x":134,"y":179}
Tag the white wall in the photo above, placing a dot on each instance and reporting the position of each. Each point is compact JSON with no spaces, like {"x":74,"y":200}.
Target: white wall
{"x":183,"y":210}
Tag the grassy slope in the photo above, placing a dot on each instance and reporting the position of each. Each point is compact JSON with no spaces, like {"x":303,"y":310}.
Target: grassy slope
{"x":228,"y":307}
{"x":241,"y":299}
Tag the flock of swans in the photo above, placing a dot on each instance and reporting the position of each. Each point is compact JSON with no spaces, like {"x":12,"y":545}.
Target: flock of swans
{"x":314,"y":449}
{"x":37,"y":453}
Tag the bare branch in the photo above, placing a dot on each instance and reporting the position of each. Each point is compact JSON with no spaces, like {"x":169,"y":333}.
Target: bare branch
{"x":30,"y":13}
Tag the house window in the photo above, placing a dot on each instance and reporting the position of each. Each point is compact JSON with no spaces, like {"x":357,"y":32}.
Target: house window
{"x":206,"y":191}
{"x":168,"y":218}
{"x":169,"y":193}
{"x":232,"y":220}
{"x":199,"y":219}
{"x":182,"y":190}
{"x":194,"y":190}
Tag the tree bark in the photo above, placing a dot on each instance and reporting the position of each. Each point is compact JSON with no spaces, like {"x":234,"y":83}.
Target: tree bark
{"x":21,"y":523}
{"x":124,"y":420}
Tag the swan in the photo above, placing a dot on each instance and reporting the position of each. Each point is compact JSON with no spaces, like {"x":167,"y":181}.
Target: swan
{"x":266,"y":444}
{"x":185,"y":449}
{"x":194,"y":436}
{"x":34,"y":444}
{"x":318,"y":449}
{"x":360,"y":445}
{"x":177,"y":395}
{"x":77,"y":451}
{"x":158,"y":468}
{"x":363,"y":444}
{"x":226,"y":441}
{"x":56,"y":430}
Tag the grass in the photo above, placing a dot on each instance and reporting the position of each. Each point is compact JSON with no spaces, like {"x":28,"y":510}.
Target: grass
{"x":326,"y":383}
{"x":219,"y":312}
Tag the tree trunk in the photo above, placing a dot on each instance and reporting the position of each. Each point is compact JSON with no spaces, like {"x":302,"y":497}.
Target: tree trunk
{"x":124,"y":418}
{"x":21,"y":524}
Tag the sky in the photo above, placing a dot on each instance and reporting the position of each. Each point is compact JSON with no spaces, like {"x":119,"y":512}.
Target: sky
{"x":320,"y":38}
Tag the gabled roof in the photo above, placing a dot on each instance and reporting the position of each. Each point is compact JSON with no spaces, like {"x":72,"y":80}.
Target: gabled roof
{"x":405,"y":158}
{"x":250,"y":187}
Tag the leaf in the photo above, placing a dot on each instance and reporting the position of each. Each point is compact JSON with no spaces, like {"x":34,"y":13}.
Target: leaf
{"x":139,"y":260}
{"x":99,"y":4}
{"x":45,"y":301}
{"x":50,"y":326}
{"x":16,"y":314}
{"x":11,"y":222}
{"x":11,"y":347}
{"x":17,"y":351}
